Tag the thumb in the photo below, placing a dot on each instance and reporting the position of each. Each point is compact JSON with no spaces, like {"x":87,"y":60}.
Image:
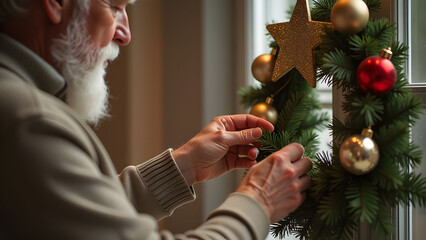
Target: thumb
{"x":245,"y":136}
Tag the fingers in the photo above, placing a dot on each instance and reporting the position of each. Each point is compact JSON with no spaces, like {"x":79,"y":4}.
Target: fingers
{"x":234,"y":161}
{"x":305,"y":182}
{"x":249,"y":150}
{"x":244,"y":121}
{"x":242,"y":137}
{"x":292,"y":152}
{"x":302,"y":166}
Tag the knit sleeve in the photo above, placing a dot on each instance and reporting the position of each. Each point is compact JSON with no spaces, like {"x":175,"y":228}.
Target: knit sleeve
{"x":157,"y":186}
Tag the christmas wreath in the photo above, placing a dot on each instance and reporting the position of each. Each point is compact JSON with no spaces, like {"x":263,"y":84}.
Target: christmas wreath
{"x":367,"y":172}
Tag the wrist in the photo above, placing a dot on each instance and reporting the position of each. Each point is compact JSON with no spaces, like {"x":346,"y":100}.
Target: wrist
{"x":257,"y":195}
{"x":181,"y":158}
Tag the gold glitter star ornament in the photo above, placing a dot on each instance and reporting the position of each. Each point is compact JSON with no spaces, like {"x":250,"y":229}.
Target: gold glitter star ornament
{"x":296,"y":40}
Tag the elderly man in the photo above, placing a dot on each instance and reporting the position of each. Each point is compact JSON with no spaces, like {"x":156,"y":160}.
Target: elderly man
{"x":56,"y":179}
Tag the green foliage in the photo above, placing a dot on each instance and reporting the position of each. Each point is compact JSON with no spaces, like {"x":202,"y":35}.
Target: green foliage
{"x":363,"y":201}
{"x":404,"y":108}
{"x":332,"y":208}
{"x":293,"y":113}
{"x":340,"y":65}
{"x":387,"y":176}
{"x":366,"y":109}
{"x":338,"y":201}
{"x":414,"y":189}
{"x":383,"y":222}
{"x":381,"y":31}
{"x":321,"y":10}
{"x":251,"y":95}
{"x":373,"y":5}
{"x":363,"y":46}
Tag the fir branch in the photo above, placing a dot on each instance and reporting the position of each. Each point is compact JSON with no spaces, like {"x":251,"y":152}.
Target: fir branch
{"x":315,"y":121}
{"x":297,"y":223}
{"x":399,"y":55}
{"x":381,"y":30}
{"x":329,"y":176}
{"x":400,"y":86}
{"x":340,"y":65}
{"x":363,"y":201}
{"x":383,"y":223}
{"x":386,"y":175}
{"x":332,"y":208}
{"x":390,"y":138}
{"x":333,"y":39}
{"x":293,"y":113}
{"x":321,"y":10}
{"x":373,"y":5}
{"x":251,"y":95}
{"x":363,"y":46}
{"x":410,"y":156}
{"x":414,"y":190}
{"x":366,"y":109}
{"x":321,"y":178}
{"x":339,"y":177}
{"x":284,"y":227}
{"x":274,"y":141}
{"x":405,"y":108}
{"x":340,"y":130}
{"x":309,"y":140}
{"x":346,"y":231}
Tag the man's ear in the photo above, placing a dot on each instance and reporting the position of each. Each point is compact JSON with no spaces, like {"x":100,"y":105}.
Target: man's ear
{"x":54,"y":10}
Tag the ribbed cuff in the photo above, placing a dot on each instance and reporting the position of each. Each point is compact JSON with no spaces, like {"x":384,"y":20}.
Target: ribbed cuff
{"x":248,"y":211}
{"x":165,"y":181}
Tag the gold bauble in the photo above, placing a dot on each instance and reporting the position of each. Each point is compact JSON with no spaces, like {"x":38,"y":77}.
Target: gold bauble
{"x":359,"y":154}
{"x":349,"y":16}
{"x":262,"y":68}
{"x":265,"y":110}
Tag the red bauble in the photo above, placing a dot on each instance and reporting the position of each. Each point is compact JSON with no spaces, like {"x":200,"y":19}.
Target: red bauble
{"x":376,"y":74}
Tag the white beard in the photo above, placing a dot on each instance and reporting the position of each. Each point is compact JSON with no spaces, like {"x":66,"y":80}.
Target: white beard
{"x":82,"y":67}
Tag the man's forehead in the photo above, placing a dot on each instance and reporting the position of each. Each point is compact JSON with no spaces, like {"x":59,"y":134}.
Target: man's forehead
{"x":123,"y":1}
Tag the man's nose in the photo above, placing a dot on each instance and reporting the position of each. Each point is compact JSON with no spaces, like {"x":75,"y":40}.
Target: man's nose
{"x":122,"y":35}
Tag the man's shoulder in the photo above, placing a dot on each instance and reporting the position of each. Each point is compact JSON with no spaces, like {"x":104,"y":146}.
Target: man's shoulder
{"x":23,"y":105}
{"x":20,"y":100}
{"x":15,"y":93}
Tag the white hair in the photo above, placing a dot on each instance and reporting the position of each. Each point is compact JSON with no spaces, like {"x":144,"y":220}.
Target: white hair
{"x":81,"y":64}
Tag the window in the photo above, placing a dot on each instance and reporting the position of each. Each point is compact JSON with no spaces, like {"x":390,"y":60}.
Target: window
{"x":410,"y":17}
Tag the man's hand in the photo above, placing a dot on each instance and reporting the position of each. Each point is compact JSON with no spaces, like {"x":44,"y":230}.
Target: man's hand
{"x":224,"y":144}
{"x":278,"y":182}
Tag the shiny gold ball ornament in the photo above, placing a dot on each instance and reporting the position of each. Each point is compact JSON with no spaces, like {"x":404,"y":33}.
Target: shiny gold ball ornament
{"x":262,"y":68}
{"x":349,"y":16}
{"x":265,"y":110}
{"x":359,"y":154}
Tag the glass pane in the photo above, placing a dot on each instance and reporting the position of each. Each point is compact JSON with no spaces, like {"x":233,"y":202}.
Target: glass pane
{"x":419,"y":214}
{"x":418,"y":41}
